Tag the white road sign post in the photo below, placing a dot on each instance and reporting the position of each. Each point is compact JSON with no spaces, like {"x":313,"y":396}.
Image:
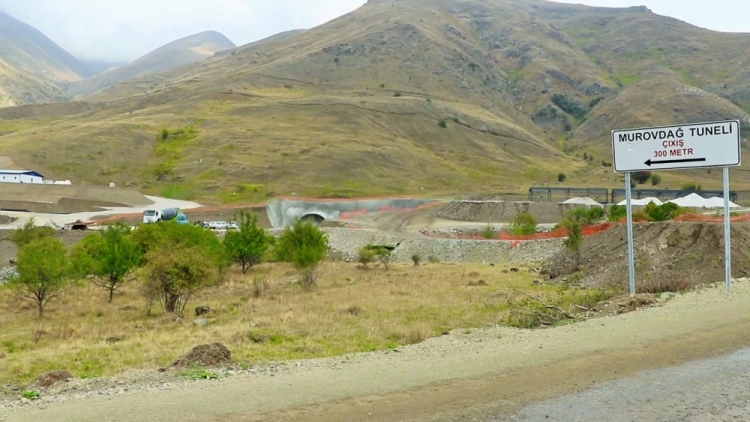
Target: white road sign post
{"x":700,"y":145}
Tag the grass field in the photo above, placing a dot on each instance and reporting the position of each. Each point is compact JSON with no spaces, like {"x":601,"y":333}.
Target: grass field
{"x":263,"y":316}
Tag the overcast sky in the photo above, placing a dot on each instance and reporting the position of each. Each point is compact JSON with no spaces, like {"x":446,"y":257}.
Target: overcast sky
{"x":117,"y":30}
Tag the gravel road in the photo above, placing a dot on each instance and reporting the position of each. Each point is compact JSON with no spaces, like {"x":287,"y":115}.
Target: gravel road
{"x":463,"y":376}
{"x":702,"y":391}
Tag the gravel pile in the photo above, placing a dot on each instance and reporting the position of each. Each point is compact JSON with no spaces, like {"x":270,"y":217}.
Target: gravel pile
{"x":7,"y":273}
{"x":346,"y":243}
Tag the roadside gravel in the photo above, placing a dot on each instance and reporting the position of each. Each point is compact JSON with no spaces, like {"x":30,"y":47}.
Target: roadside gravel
{"x":347,"y":243}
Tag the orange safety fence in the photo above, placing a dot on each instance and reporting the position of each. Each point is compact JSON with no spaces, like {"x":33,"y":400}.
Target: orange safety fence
{"x":559,"y":232}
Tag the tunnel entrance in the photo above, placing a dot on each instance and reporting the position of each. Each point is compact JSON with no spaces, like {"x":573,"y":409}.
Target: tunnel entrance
{"x":313,"y":218}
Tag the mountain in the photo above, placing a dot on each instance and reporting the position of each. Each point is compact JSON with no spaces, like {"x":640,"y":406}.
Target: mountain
{"x":401,"y":97}
{"x":31,"y":65}
{"x":97,"y":67}
{"x":175,"y":54}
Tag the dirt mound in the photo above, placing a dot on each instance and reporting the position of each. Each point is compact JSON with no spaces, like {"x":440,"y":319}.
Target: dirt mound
{"x":503,"y":212}
{"x":205,"y":355}
{"x":669,"y":256}
{"x":51,"y":378}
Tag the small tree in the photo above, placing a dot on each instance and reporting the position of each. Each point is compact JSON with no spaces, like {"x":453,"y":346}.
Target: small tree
{"x":561,"y":177}
{"x":523,"y":224}
{"x":442,"y":123}
{"x":42,"y":271}
{"x":175,"y":275}
{"x":110,"y":256}
{"x":305,"y":246}
{"x":574,"y":225}
{"x":655,"y":179}
{"x":248,"y":245}
{"x":30,"y":232}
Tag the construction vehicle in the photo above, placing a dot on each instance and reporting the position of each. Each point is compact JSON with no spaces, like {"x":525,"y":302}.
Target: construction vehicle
{"x":167,"y":214}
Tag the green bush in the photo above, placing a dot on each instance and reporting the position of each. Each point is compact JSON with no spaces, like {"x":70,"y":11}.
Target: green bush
{"x":442,"y":123}
{"x":655,"y":179}
{"x":561,"y":177}
{"x":523,"y":224}
{"x":664,"y":212}
{"x":617,"y":212}
{"x":488,"y":232}
{"x":366,"y":255}
{"x":305,"y":246}
{"x":416,"y":259}
{"x":587,"y":216}
{"x":641,"y":177}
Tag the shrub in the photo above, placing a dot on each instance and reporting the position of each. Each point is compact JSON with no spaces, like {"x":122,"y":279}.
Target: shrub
{"x":561,"y":177}
{"x":366,"y":255}
{"x":397,"y":94}
{"x":247,"y":246}
{"x":617,"y":212}
{"x":442,"y":123}
{"x":691,"y":187}
{"x":523,"y":224}
{"x":164,"y":134}
{"x":655,"y":179}
{"x":587,"y":215}
{"x":488,"y":232}
{"x":572,"y":107}
{"x":42,"y":271}
{"x":30,"y":232}
{"x":305,"y":246}
{"x":382,"y":252}
{"x":641,"y":177}
{"x":663,"y":212}
{"x":574,"y":225}
{"x":416,"y":259}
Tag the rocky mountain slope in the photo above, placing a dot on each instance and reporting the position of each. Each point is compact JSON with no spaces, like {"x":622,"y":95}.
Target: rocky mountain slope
{"x":407,"y":96}
{"x":31,"y":65}
{"x":175,"y":54}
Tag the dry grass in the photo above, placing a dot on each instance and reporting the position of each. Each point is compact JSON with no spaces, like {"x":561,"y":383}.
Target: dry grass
{"x":259,"y":316}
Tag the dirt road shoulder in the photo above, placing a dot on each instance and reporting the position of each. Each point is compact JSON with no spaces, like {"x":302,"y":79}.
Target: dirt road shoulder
{"x":454,"y":376}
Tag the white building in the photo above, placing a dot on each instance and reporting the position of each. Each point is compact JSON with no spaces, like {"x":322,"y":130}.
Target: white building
{"x":20,"y":176}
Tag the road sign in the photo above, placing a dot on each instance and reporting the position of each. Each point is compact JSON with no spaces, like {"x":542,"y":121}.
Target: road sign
{"x":713,"y":144}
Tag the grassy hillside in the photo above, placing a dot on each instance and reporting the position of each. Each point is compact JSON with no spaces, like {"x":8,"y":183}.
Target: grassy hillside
{"x":408,"y":96}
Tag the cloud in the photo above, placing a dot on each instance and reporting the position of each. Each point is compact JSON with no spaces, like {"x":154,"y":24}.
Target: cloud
{"x":118,"y":30}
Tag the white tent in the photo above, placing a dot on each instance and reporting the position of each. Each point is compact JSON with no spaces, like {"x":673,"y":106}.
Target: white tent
{"x":641,"y":202}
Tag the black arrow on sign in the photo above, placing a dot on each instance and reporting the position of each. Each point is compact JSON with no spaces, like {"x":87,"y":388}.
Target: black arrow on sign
{"x":686,"y":160}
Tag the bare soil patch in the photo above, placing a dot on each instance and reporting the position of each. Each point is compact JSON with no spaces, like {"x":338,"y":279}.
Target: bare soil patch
{"x":670,"y":256}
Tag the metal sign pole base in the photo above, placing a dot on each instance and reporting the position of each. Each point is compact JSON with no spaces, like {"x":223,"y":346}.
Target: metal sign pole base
{"x":727,"y":234}
{"x":631,"y":257}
